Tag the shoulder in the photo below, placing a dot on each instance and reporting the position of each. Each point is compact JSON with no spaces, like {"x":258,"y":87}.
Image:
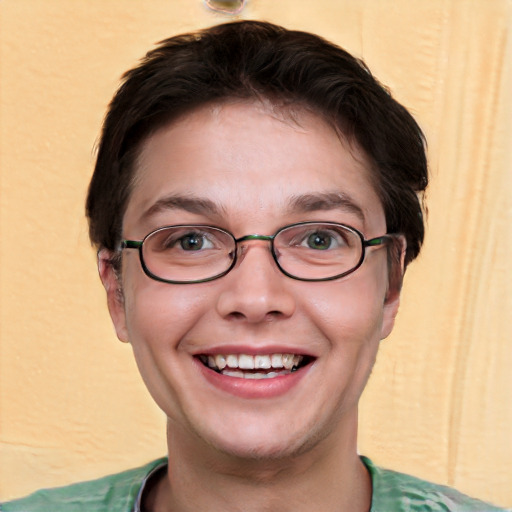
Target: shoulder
{"x":398,"y":492}
{"x":114,"y":493}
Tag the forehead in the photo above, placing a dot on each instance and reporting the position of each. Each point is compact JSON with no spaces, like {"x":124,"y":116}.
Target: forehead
{"x":250,"y":160}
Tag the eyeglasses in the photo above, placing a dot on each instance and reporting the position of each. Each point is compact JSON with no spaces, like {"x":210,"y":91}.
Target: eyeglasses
{"x":307,"y":251}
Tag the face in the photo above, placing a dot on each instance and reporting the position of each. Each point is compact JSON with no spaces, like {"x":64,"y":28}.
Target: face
{"x":247,"y":170}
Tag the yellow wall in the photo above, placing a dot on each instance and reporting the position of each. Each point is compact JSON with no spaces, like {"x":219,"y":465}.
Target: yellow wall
{"x":440,"y":401}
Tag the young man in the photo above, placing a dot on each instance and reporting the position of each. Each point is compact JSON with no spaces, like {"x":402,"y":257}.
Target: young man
{"x":255,"y":203}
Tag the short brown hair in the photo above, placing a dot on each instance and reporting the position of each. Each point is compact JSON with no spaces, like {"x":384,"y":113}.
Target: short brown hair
{"x":252,"y":59}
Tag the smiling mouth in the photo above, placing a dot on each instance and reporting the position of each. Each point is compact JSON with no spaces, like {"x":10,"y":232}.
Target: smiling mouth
{"x":262,"y":366}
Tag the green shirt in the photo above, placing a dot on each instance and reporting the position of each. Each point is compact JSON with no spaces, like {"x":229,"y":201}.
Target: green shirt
{"x":392,"y":492}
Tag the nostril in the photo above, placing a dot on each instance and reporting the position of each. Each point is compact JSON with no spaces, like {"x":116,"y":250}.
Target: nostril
{"x":236,"y":315}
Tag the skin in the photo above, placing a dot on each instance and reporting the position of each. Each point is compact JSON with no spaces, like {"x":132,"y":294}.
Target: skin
{"x":297,"y":450}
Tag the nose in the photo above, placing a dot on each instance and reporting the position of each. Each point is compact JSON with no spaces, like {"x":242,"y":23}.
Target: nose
{"x":256,"y":290}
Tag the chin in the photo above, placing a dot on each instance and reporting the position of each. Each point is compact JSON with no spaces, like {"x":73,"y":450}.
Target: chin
{"x":261,"y":443}
{"x":258,"y":452}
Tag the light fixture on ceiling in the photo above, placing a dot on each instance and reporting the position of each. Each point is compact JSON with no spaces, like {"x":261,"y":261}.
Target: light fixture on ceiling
{"x":226,"y":6}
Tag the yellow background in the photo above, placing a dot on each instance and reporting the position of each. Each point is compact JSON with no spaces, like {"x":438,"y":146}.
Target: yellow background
{"x":439,"y":403}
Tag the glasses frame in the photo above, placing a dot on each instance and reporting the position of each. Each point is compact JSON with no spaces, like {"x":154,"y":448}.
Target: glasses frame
{"x":373,"y":242}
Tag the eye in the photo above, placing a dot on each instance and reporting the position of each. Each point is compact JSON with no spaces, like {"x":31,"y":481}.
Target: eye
{"x":320,"y":241}
{"x":172,"y":240}
{"x":194,"y":242}
{"x":324,"y":240}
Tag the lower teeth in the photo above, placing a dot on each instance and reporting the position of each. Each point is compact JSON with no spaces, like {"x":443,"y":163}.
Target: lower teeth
{"x":255,"y":375}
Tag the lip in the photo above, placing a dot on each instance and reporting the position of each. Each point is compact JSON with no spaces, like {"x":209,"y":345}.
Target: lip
{"x":251,"y":388}
{"x":254,"y":351}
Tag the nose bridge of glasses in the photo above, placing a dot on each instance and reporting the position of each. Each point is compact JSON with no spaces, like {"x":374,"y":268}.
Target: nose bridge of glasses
{"x":240,"y":242}
{"x":247,"y":238}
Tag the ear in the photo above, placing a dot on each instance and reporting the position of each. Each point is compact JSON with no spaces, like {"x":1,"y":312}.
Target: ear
{"x":396,"y":269}
{"x":111,"y":281}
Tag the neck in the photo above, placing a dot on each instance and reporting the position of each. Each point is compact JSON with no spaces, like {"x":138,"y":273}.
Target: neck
{"x":329,"y":477}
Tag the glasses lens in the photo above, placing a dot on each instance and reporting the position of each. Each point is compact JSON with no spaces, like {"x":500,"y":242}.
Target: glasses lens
{"x":316,"y":251}
{"x":184,"y":254}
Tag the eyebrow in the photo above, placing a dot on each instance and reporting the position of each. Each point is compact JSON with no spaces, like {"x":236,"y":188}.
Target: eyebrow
{"x":197,"y":205}
{"x":304,"y":203}
{"x":326,"y":201}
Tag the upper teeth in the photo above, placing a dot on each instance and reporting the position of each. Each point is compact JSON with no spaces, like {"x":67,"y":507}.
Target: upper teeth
{"x":248,"y":362}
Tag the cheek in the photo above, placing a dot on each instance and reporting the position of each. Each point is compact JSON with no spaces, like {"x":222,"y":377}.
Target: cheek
{"x":158,"y":317}
{"x":158,"y":312}
{"x":351,"y":309}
